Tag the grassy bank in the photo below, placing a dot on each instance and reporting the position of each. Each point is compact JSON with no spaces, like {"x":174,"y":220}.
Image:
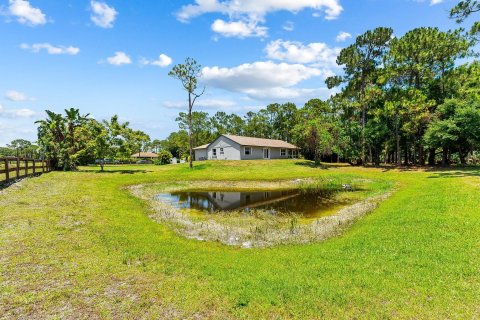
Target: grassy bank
{"x":80,"y":245}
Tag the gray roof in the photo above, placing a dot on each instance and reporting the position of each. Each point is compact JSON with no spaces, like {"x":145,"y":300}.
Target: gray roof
{"x":259,"y":142}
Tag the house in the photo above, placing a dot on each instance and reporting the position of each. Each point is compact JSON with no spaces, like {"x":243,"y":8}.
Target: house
{"x":145,"y":155}
{"x":229,"y":147}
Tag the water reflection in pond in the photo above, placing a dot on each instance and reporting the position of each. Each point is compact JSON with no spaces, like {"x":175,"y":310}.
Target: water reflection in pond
{"x":305,"y":203}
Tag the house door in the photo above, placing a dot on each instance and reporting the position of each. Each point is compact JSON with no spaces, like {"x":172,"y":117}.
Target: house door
{"x":266,"y":153}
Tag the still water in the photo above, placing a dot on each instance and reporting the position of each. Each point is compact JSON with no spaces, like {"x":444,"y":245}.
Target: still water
{"x":304,"y":203}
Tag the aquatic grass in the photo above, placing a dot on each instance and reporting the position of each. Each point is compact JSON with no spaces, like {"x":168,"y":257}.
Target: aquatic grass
{"x":257,"y":227}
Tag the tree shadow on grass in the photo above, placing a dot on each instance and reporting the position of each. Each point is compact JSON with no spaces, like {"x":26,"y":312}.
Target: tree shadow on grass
{"x":459,"y":172}
{"x":324,"y":166}
{"x":196,"y":167}
{"x":125,"y":171}
{"x":439,"y":172}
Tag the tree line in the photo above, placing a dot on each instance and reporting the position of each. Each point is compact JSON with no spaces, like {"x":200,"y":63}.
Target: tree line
{"x":410,"y":100}
{"x":403,"y":100}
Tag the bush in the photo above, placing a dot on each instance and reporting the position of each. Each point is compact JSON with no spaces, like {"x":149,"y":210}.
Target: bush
{"x":164,"y":157}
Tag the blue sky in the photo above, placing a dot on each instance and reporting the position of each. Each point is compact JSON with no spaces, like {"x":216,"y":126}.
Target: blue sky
{"x":112,"y":57}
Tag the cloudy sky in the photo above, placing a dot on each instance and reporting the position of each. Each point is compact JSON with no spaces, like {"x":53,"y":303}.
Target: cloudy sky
{"x":112,"y":57}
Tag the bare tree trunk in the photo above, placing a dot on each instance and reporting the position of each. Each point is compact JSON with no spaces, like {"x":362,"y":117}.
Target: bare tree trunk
{"x":445,"y":157}
{"x":431,"y":157}
{"x":414,"y":152}
{"x":190,"y":133}
{"x":421,"y":155}
{"x":397,"y":136}
{"x":363,"y":133}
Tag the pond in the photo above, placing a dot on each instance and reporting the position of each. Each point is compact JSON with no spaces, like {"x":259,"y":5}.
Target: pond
{"x":308,"y":204}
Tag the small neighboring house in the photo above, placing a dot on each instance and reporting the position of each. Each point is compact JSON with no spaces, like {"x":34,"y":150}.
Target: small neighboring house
{"x":229,"y":147}
{"x":145,"y":156}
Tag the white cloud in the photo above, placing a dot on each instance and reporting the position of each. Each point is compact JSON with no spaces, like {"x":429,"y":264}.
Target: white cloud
{"x":102,"y":14}
{"x":343,"y":36}
{"x":25,"y":13}
{"x":261,"y":80}
{"x":37,"y":47}
{"x":258,"y":8}
{"x":291,"y":94}
{"x":16,"y":96}
{"x":434,"y":2}
{"x":16,"y":113}
{"x":120,"y":58}
{"x":245,"y":16}
{"x":291,"y":51}
{"x":202,"y":103}
{"x":16,"y":129}
{"x":239,"y":29}
{"x":214,"y":104}
{"x":288,"y":26}
{"x":162,"y":61}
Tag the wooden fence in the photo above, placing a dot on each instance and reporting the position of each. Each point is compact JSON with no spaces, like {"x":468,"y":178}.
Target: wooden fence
{"x":13,"y":168}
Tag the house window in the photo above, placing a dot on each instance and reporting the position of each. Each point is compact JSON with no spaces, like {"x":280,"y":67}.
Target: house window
{"x":248,"y":151}
{"x":221,"y":150}
{"x":283,"y":152}
{"x":214,"y":152}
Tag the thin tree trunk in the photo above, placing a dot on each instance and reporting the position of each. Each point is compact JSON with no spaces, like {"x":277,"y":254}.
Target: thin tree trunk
{"x":431,"y":157}
{"x":421,"y":155}
{"x":414,"y":152}
{"x":399,"y":152}
{"x":444,"y":156}
{"x":190,"y":142}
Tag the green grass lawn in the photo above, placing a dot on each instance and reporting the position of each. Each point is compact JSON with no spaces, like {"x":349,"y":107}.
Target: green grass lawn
{"x":79,"y":245}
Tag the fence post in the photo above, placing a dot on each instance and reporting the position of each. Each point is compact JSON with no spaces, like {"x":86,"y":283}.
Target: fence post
{"x":18,"y":168}
{"x":7,"y":171}
{"x":43,"y":166}
{"x":26,"y":166}
{"x":34,"y":166}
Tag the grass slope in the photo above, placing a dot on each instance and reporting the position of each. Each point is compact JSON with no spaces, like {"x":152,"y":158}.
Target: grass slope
{"x":78,"y":245}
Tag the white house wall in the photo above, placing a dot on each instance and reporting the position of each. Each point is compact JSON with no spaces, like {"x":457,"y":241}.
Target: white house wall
{"x":257,"y":153}
{"x":231,"y":149}
{"x":200,"y":154}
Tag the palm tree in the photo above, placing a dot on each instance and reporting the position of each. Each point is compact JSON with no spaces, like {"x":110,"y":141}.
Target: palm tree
{"x":51,"y":135}
{"x":73,"y":120}
{"x":56,"y":135}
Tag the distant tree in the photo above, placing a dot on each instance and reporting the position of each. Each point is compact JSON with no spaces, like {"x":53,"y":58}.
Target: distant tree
{"x":177,"y":144}
{"x":73,"y":120}
{"x":23,"y":148}
{"x":156,"y":145}
{"x":95,"y":143}
{"x":361,"y":61}
{"x":201,"y":126}
{"x":188,"y":73}
{"x":317,"y":134}
{"x":164,"y":157}
{"x":465,"y":9}
{"x":7,"y":152}
{"x":51,"y":137}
